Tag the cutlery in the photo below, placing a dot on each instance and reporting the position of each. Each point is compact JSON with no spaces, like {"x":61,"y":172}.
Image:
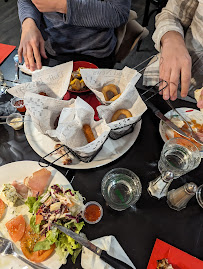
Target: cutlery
{"x":6,"y":248}
{"x":101,"y":253}
{"x":161,"y":116}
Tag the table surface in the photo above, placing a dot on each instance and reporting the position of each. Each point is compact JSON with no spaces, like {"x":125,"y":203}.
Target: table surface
{"x":136,"y":228}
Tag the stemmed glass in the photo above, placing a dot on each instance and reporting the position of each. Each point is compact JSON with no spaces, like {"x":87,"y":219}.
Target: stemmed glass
{"x":179,"y":156}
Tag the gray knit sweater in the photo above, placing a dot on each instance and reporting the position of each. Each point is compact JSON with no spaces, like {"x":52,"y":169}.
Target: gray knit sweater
{"x":87,"y":27}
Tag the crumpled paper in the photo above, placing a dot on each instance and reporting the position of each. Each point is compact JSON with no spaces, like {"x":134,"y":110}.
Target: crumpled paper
{"x":96,"y":79}
{"x":44,"y":110}
{"x":27,"y":71}
{"x":70,"y":133}
{"x":130,"y":100}
{"x":90,"y":260}
{"x":53,"y":81}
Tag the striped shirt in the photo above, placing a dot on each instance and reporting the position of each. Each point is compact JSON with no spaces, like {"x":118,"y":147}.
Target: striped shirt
{"x":87,"y":27}
{"x":186,"y":18}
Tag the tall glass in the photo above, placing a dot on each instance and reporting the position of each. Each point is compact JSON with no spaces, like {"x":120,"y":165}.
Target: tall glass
{"x":179,"y":156}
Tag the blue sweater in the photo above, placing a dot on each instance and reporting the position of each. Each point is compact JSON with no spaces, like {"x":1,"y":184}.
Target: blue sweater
{"x":87,"y":27}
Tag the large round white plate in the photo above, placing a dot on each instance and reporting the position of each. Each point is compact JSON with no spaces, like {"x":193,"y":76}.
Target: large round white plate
{"x":188,"y":113}
{"x":111,"y":150}
{"x":18,"y":171}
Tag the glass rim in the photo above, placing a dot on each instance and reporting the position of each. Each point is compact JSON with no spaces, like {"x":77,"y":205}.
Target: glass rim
{"x":198,"y":195}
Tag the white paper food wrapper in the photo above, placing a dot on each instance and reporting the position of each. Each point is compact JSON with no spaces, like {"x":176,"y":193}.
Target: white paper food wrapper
{"x":90,"y":260}
{"x":44,"y":110}
{"x":96,"y":79}
{"x":53,"y":81}
{"x":70,"y":133}
{"x":27,"y":71}
{"x":129,"y":99}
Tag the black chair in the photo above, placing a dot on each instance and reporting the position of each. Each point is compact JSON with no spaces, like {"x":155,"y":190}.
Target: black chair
{"x":159,"y":4}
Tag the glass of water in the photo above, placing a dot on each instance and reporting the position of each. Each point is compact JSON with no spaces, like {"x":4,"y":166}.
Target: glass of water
{"x":179,"y":156}
{"x":121,"y":188}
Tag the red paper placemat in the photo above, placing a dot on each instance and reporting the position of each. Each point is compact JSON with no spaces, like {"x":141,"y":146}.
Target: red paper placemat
{"x":5,"y":50}
{"x":178,"y":258}
{"x":89,"y":98}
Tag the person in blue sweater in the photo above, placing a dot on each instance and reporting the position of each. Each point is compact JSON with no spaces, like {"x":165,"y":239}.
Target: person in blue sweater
{"x":62,"y":30}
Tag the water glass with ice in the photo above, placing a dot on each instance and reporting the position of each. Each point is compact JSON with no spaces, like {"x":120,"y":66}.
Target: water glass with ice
{"x":179,"y":156}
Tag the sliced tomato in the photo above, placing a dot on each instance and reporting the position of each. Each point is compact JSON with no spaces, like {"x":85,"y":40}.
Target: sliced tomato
{"x":2,"y":208}
{"x":16,"y":228}
{"x":27,"y":245}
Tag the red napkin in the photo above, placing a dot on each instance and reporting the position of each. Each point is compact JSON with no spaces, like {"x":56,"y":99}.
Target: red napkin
{"x":5,"y":50}
{"x":90,"y":98}
{"x":178,"y":258}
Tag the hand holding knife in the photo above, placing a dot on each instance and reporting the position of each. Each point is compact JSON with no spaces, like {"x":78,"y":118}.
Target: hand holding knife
{"x":117,"y":264}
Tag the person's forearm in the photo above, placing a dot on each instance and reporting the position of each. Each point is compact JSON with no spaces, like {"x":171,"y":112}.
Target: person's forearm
{"x":104,"y":14}
{"x":26,"y":9}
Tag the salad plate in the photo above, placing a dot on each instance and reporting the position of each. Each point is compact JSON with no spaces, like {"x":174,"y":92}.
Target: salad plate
{"x":18,"y":171}
{"x":193,"y":116}
{"x":111,"y":150}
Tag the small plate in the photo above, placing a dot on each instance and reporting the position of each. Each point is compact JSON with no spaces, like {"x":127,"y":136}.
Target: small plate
{"x":188,"y":113}
{"x":84,"y":64}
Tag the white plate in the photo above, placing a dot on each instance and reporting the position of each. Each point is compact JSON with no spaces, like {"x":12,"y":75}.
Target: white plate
{"x":18,"y":171}
{"x":111,"y":150}
{"x":192,"y":114}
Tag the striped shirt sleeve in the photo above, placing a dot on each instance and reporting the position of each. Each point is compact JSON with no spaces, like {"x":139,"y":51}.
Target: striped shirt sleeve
{"x":96,"y":13}
{"x":26,"y":9}
{"x":176,"y":16}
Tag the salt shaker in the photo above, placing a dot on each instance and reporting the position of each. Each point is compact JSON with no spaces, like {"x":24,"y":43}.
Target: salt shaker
{"x":16,"y":61}
{"x":159,"y":187}
{"x":178,"y":199}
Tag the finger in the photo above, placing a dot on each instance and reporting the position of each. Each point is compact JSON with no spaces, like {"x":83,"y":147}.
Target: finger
{"x":174,"y":80}
{"x":42,"y":49}
{"x":185,"y":79}
{"x":161,"y":74}
{"x":166,"y":90}
{"x":25,"y":57}
{"x":37,"y":57}
{"x":31,"y":58}
{"x":20,"y":51}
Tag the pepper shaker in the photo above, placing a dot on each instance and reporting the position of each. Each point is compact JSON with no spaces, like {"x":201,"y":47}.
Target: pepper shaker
{"x":159,"y":187}
{"x":178,"y":199}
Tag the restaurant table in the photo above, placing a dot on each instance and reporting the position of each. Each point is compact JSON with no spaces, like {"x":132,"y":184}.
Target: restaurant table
{"x":137,"y":227}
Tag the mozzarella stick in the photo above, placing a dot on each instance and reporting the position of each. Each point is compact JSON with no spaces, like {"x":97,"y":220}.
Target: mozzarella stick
{"x":88,"y":133}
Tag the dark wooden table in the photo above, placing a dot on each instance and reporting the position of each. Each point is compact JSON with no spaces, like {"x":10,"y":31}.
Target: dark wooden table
{"x":136,"y":228}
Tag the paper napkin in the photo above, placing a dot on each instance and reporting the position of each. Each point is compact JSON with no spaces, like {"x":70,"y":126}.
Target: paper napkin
{"x":109,"y":243}
{"x":5,"y":50}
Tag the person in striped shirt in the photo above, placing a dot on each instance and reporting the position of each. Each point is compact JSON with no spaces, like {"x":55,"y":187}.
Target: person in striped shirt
{"x":179,"y":39}
{"x":64,"y":30}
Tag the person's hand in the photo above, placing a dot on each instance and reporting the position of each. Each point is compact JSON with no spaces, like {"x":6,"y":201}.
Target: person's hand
{"x":51,"y":6}
{"x":175,"y":65}
{"x":31,"y":45}
{"x":200,"y":102}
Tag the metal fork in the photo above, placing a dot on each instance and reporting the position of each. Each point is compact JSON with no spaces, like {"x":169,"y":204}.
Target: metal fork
{"x":6,"y":248}
{"x":192,"y":133}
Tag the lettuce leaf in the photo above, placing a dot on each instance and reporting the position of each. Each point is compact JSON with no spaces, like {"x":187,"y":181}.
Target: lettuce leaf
{"x":33,"y":204}
{"x":42,"y":245}
{"x":35,"y":227}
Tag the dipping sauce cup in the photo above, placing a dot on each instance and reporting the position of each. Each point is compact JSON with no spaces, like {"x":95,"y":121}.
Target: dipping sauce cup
{"x":15,"y":120}
{"x":18,"y":103}
{"x":121,"y":188}
{"x":92,"y":212}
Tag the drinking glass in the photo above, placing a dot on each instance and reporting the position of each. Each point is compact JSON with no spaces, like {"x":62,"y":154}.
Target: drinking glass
{"x":199,"y":195}
{"x":179,"y":156}
{"x":121,"y":188}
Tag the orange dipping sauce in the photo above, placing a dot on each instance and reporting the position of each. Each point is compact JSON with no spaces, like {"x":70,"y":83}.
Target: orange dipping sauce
{"x":20,"y":106}
{"x":93,"y":213}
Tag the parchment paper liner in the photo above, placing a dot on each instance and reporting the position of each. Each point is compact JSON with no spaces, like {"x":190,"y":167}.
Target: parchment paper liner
{"x":70,"y":133}
{"x":96,"y":79}
{"x":53,"y":81}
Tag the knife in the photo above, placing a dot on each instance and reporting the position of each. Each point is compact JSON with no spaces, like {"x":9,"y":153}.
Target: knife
{"x":161,"y":116}
{"x":102,"y":253}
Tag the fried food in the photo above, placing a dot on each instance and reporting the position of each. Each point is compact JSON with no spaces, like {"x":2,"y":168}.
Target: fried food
{"x":76,"y":81}
{"x":120,"y":112}
{"x":88,"y":133}
{"x":109,"y":88}
{"x":43,"y":93}
{"x":163,"y":264}
{"x":115,"y":97}
{"x":199,"y":96}
{"x":65,"y":157}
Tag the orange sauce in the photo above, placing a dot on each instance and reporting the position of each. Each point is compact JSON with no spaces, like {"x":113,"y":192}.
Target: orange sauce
{"x":20,"y":106}
{"x":92,"y":213}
